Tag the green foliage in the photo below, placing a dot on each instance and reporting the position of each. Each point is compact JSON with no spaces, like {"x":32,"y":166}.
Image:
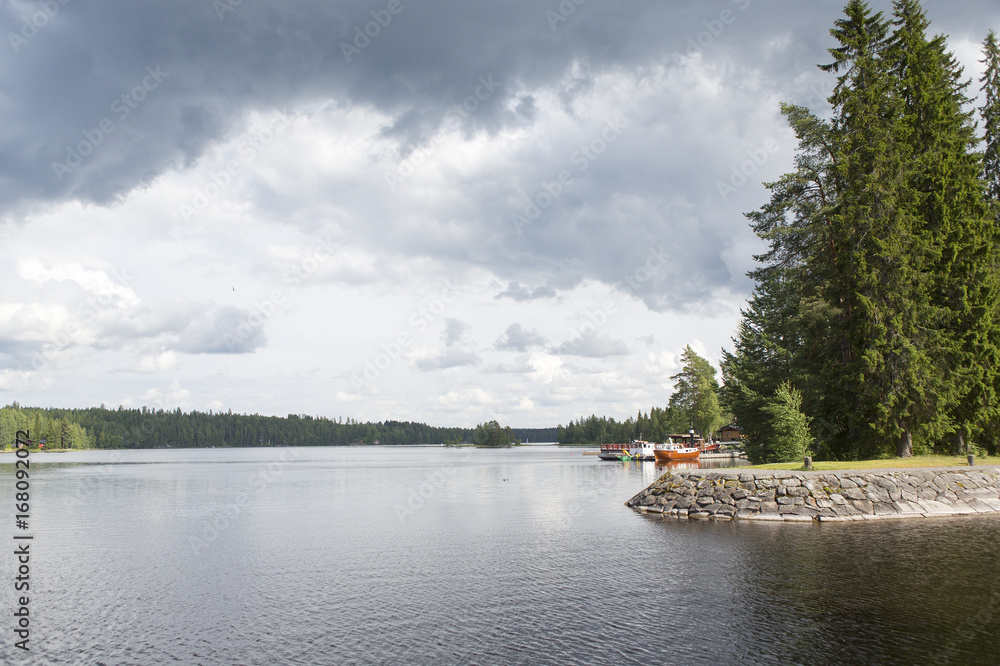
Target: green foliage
{"x":696,"y":394}
{"x":145,"y":428}
{"x":492,"y":434}
{"x":654,"y":426}
{"x":990,"y":113}
{"x":790,"y":427}
{"x":878,"y":297}
{"x":54,"y":430}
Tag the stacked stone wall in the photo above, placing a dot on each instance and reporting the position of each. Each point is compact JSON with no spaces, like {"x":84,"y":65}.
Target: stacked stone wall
{"x":821,"y":496}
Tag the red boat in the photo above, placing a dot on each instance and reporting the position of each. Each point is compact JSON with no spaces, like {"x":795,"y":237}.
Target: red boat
{"x":670,"y":452}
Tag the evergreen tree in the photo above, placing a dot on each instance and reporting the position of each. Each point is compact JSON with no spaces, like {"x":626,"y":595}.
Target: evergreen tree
{"x":696,"y":394}
{"x":878,"y":296}
{"x":990,"y":113}
{"x":948,"y":203}
{"x":791,"y":437}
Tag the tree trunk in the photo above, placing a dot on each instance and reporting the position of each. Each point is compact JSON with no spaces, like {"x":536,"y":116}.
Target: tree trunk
{"x":958,"y":443}
{"x":904,"y":447}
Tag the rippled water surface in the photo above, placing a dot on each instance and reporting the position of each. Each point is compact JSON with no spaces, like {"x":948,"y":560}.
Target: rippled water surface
{"x":433,"y":555}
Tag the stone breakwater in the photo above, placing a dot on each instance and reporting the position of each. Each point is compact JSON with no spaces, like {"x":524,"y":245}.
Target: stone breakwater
{"x":821,"y":496}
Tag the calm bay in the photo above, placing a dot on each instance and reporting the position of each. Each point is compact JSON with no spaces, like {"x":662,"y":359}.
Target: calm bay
{"x":459,"y":555}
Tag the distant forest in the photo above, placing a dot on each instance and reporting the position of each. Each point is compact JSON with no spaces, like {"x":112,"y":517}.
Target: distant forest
{"x":145,"y":428}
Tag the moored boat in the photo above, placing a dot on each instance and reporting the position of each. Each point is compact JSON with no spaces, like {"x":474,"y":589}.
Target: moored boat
{"x":671,"y":452}
{"x":614,"y":452}
{"x":637,"y":450}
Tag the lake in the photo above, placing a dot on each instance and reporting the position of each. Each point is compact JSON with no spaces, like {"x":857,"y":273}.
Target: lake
{"x":440,"y":555}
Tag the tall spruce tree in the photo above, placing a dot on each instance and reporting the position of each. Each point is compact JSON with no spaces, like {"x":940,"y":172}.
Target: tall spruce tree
{"x":951,"y":203}
{"x":990,"y":113}
{"x":879,"y":255}
{"x":878,"y":297}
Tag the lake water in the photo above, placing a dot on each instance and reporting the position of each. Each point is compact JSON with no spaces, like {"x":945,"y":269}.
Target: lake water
{"x":433,"y":555}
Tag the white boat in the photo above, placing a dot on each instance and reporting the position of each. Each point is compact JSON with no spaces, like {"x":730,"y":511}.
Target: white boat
{"x":636,"y":450}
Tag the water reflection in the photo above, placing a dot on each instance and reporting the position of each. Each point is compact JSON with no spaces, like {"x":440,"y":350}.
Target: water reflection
{"x":501,"y":556}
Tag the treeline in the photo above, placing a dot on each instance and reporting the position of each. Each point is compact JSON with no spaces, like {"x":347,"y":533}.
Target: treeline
{"x":145,"y":428}
{"x":874,"y":327}
{"x":53,"y":431}
{"x":694,"y":404}
{"x":653,"y":426}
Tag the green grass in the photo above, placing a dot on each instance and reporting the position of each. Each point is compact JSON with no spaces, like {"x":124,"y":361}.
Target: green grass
{"x":889,"y":463}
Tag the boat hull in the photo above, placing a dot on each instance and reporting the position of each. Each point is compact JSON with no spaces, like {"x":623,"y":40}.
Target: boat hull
{"x":669,"y":455}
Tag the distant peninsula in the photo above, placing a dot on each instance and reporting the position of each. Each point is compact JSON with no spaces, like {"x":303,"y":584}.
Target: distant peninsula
{"x":144,"y":428}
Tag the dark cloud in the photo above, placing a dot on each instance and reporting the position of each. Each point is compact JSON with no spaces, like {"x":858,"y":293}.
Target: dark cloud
{"x":590,"y":344}
{"x":92,"y":61}
{"x":518,"y":292}
{"x":517,"y":338}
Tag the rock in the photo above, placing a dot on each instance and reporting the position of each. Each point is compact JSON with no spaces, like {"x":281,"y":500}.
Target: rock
{"x":772,"y":517}
{"x":884,"y":509}
{"x":868,"y":496}
{"x":875,"y":494}
{"x":864,"y":506}
{"x":885,"y":483}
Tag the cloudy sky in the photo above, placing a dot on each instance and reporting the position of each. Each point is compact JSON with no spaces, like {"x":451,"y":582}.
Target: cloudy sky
{"x":436,"y":210}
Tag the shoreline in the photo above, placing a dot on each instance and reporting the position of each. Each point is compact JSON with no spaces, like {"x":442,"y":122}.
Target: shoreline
{"x":821,"y":496}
